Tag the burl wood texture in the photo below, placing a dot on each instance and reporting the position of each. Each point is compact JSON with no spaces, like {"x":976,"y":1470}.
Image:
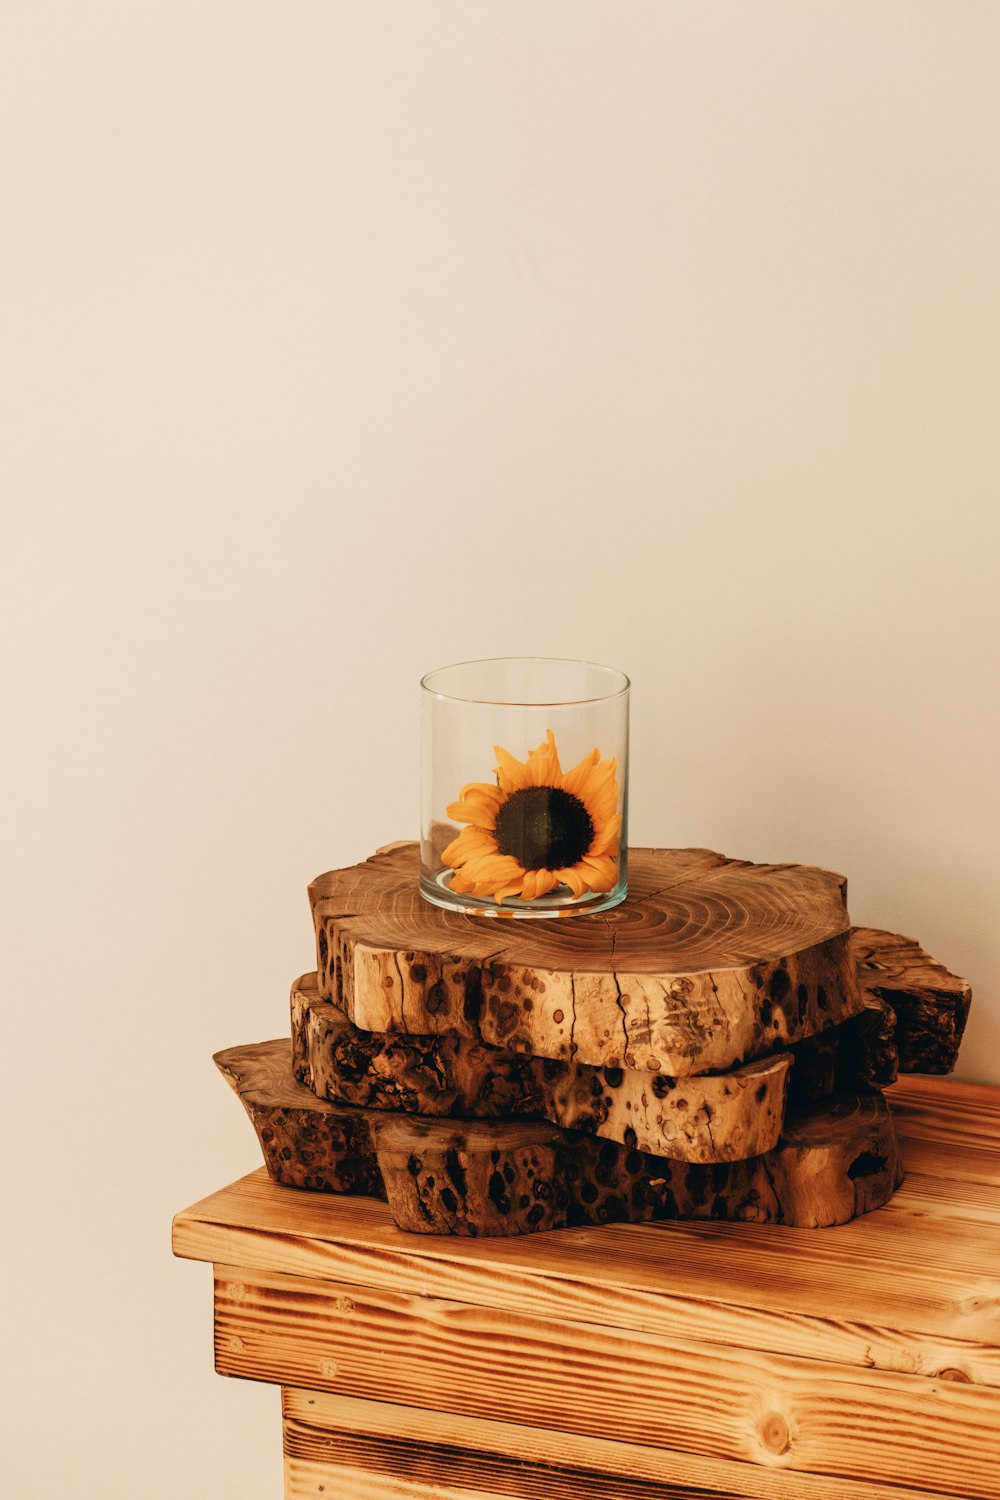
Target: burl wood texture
{"x":306,"y":1142}
{"x":829,"y":1165}
{"x":703,"y":1118}
{"x":738,"y":1360}
{"x":930,"y":1005}
{"x":710,"y":962}
{"x":484,"y":1178}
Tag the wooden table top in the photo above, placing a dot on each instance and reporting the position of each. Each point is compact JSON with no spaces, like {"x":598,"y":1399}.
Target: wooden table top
{"x":913,"y":1287}
{"x":674,"y":1359}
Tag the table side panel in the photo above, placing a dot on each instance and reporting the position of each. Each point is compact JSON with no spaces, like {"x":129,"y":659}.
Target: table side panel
{"x":699,"y":1398}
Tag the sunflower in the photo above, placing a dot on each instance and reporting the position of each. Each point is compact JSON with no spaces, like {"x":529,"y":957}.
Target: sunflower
{"x":537,"y":828}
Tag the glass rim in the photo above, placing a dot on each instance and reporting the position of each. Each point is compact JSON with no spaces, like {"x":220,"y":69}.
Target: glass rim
{"x":563,"y":661}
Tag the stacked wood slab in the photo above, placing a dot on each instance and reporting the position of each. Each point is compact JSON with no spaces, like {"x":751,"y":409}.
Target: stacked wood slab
{"x":714,"y":1047}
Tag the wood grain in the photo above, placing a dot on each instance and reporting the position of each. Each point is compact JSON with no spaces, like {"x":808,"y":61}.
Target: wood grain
{"x":385,"y":1442}
{"x":713,"y":1117}
{"x":931,"y":1005}
{"x":709,"y":963}
{"x":688,"y":1396}
{"x":516,"y":1177}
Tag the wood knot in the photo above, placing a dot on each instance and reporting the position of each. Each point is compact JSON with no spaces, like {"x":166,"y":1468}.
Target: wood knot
{"x":774,"y":1433}
{"x":953,"y":1373}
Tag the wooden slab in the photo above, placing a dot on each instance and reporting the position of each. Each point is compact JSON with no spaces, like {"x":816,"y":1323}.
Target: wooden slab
{"x":931,"y":1005}
{"x":485,"y":1178}
{"x":499,"y":1179}
{"x":702,"y":1118}
{"x":709,"y":963}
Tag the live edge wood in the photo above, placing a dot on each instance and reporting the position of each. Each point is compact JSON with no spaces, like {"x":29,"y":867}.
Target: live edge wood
{"x":709,"y":963}
{"x":678,"y":1359}
{"x":484,"y":1178}
{"x":930,"y":1005}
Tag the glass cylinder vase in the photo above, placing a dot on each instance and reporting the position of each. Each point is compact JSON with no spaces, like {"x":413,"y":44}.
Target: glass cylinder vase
{"x":524,"y":787}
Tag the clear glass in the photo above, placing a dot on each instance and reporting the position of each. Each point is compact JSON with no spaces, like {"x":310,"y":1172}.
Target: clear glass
{"x":524,"y":787}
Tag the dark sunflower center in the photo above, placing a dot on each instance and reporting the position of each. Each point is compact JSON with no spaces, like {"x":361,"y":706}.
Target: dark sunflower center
{"x":544,"y":828}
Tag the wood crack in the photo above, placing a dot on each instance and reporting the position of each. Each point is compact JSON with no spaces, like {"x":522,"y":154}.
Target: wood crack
{"x":402,"y":991}
{"x":688,"y":878}
{"x":708,"y":1127}
{"x":618,"y":994}
{"x":572,"y":1024}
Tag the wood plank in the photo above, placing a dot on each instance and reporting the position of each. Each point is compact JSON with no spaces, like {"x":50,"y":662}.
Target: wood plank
{"x":385,"y":1435}
{"x":308,"y":1480}
{"x":709,"y":962}
{"x":693,"y":1397}
{"x":360,"y":1466}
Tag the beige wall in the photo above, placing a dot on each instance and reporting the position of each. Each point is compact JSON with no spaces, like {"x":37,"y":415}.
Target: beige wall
{"x":344,"y":340}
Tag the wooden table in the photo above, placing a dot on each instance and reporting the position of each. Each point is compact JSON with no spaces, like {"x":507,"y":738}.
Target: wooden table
{"x":640,"y":1361}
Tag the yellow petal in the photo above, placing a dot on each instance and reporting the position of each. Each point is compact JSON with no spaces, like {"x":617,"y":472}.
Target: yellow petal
{"x":477,"y":843}
{"x":607,"y":838}
{"x":472,"y":812}
{"x":599,"y":779}
{"x":543,"y":763}
{"x":488,"y":790}
{"x":461,"y":848}
{"x":512,"y":773}
{"x":575,"y":780}
{"x":572,"y":878}
{"x":599,"y":794}
{"x":600,"y":873}
{"x":492,"y":867}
